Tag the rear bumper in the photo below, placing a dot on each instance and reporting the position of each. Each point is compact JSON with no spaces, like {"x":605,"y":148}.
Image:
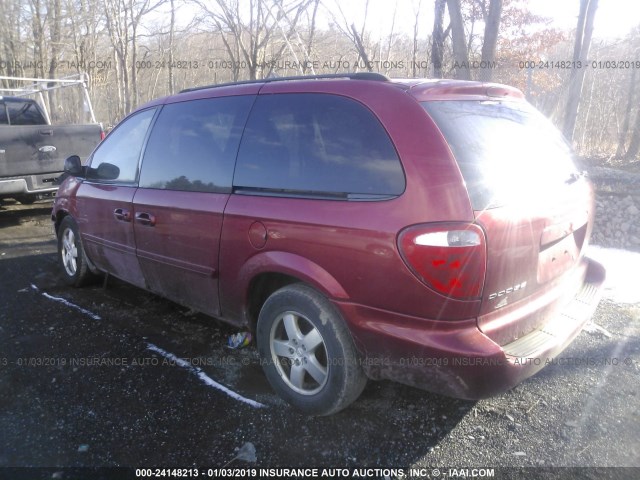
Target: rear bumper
{"x":29,"y":184}
{"x":456,"y":358}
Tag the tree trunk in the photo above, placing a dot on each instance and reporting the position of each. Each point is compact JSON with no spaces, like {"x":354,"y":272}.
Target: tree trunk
{"x":10,"y":22}
{"x":134,"y":22}
{"x":581,"y":53}
{"x":362,"y":52}
{"x":414,"y":49}
{"x":622,"y":138}
{"x":39,"y":52}
{"x":172,"y":28}
{"x":312,"y":30}
{"x":437,"y":49}
{"x":458,"y":37}
{"x":492,"y":25}
{"x":54,"y":14}
{"x":582,"y":16}
{"x":634,"y":146}
{"x":391,"y":34}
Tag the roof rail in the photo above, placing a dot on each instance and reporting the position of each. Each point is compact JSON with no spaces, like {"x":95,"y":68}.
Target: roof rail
{"x":378,"y":77}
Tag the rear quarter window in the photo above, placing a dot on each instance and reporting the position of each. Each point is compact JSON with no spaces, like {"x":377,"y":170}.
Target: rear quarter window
{"x":317,"y":144}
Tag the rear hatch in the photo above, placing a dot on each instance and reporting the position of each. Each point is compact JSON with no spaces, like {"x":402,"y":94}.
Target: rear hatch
{"x":532,"y":203}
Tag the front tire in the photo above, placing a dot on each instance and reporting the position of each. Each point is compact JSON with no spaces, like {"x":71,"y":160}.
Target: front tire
{"x":307,"y":351}
{"x":73,"y":261}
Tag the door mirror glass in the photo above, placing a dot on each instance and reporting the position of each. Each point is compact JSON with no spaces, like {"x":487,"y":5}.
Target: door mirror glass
{"x":107,"y":171}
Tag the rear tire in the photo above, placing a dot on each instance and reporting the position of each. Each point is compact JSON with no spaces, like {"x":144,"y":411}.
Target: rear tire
{"x":73,"y":261}
{"x":307,"y":352}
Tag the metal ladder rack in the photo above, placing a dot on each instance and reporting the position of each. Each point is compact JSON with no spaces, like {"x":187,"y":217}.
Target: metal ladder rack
{"x":40,"y":85}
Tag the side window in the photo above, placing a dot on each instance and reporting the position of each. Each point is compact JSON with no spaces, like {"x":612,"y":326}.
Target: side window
{"x":193,"y":145}
{"x":116,"y":159}
{"x":3,"y":114}
{"x":317,"y":144}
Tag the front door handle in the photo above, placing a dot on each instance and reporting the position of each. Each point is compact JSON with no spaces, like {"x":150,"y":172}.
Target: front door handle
{"x":122,"y":214}
{"x":147,"y":219}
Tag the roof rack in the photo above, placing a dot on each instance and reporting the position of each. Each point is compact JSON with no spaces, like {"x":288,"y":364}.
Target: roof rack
{"x":377,"y":77}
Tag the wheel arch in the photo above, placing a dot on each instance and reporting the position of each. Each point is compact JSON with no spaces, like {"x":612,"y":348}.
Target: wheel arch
{"x":267,"y":272}
{"x":57,"y":219}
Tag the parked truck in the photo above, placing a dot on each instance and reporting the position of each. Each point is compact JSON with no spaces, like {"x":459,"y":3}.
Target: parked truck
{"x":32,"y":151}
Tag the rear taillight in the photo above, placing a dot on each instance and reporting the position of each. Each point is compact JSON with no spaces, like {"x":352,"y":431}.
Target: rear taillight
{"x":102,"y":135}
{"x":451,"y":258}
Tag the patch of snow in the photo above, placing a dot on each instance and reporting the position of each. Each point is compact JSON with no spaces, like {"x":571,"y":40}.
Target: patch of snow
{"x":203,"y":376}
{"x":72,"y":305}
{"x":67,"y":303}
{"x":621,"y":285}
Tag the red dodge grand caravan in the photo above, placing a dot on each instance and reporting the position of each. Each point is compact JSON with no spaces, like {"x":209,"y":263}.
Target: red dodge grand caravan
{"x":428,"y":232}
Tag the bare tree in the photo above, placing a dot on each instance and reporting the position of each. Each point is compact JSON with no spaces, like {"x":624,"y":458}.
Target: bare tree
{"x":248,"y":30}
{"x":391,"y":33}
{"x":312,"y":32}
{"x":584,"y":32}
{"x":362,"y":51}
{"x":414,"y":45}
{"x":438,"y":36}
{"x":116,"y":22}
{"x":85,"y":29}
{"x":492,"y":26}
{"x":458,"y":37}
{"x":12,"y":46}
{"x":172,"y":29}
{"x":634,"y":146}
{"x":622,"y":138}
{"x":38,"y":29}
{"x":356,"y":37}
{"x":123,"y":21}
{"x":54,"y":18}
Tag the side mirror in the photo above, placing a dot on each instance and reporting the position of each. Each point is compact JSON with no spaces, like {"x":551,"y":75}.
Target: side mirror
{"x":108,"y":171}
{"x":73,"y":166}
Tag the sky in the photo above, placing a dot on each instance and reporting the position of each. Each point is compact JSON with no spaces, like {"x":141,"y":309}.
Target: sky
{"x":614,"y":18}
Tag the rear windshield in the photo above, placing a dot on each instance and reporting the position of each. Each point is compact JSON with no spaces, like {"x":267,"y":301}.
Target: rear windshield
{"x":24,"y":113}
{"x":505,"y":150}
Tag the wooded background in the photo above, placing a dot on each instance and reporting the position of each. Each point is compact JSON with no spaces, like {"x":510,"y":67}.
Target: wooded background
{"x":137,"y":50}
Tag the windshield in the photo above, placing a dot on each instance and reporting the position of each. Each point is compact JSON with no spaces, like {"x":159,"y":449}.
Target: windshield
{"x":505,"y":150}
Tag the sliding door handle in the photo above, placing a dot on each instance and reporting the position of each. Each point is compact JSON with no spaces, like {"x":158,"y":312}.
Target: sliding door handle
{"x":146,"y":219}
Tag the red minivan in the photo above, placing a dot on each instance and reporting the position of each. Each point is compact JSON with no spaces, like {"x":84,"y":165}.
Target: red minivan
{"x":430,"y":232}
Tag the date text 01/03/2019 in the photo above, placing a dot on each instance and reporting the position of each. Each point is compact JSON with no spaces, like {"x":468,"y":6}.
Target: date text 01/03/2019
{"x":571,"y":64}
{"x":272,"y":472}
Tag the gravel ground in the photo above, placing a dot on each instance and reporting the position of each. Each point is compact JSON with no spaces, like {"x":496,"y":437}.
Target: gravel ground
{"x":617,"y":208}
{"x":70,"y":409}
